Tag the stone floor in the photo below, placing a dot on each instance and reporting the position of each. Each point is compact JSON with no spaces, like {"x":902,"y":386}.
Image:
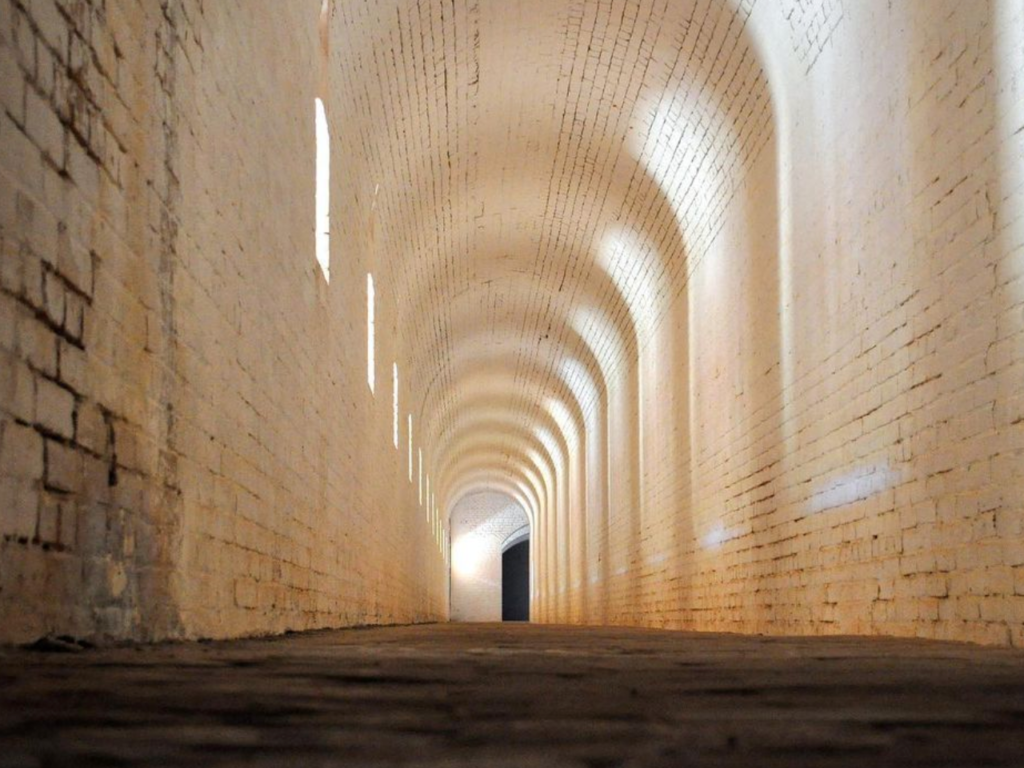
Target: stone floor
{"x":493,"y":695}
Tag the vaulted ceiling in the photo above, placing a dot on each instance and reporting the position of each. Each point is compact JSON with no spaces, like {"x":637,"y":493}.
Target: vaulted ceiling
{"x":544,"y":176}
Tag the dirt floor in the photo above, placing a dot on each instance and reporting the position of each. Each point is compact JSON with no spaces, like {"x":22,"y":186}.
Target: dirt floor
{"x":515,"y":695}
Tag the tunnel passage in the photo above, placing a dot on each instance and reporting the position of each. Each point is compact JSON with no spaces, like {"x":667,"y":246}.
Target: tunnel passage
{"x":726,"y":296}
{"x":689,"y":314}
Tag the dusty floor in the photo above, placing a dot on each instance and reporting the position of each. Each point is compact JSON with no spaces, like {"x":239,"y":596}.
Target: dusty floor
{"x":484,"y":695}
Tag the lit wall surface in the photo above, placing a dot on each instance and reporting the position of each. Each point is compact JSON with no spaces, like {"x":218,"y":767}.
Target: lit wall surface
{"x":726,"y":295}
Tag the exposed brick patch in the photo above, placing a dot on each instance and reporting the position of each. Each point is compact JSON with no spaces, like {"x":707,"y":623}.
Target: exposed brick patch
{"x":813,"y":22}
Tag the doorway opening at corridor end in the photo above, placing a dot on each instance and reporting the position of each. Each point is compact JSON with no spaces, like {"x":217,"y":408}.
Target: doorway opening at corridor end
{"x":491,"y":573}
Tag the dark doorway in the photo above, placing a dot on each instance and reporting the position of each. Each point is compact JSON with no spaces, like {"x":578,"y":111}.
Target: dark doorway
{"x":515,"y":582}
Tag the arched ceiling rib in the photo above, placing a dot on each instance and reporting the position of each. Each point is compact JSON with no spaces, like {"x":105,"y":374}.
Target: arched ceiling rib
{"x":487,"y":463}
{"x":506,"y":456}
{"x":534,"y":182}
{"x":486,"y":341}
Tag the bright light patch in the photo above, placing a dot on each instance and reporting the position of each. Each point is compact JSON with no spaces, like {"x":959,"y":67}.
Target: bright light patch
{"x":468,"y":554}
{"x":601,"y":336}
{"x":410,"y":447}
{"x":542,"y":471}
{"x":720,"y":534}
{"x":323,"y":191}
{"x":857,"y":485}
{"x":394,"y":404}
{"x":579,"y":381}
{"x":565,"y":423}
{"x":550,"y":444}
{"x":681,"y":152}
{"x":623,"y":257}
{"x":371,"y":342}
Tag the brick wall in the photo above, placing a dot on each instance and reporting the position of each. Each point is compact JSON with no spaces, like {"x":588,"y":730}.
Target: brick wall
{"x":843,"y":366}
{"x":187,"y":443}
{"x":726,"y":293}
{"x":88,"y":490}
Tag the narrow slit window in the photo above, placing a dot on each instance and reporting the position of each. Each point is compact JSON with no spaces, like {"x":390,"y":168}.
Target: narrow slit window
{"x":394,"y":404}
{"x":323,"y":191}
{"x":370,"y":334}
{"x":410,"y":447}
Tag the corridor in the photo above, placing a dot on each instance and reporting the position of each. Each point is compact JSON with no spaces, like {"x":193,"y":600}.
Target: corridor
{"x":468,"y":696}
{"x":687,"y":333}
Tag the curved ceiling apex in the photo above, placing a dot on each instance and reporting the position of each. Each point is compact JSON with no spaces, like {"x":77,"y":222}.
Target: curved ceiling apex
{"x":488,"y":387}
{"x":499,"y":378}
{"x":518,"y":443}
{"x":493,"y":430}
{"x":510,"y":299}
{"x":488,"y":463}
{"x":492,"y":396}
{"x":582,"y":347}
{"x":487,"y":481}
{"x":535,"y":115}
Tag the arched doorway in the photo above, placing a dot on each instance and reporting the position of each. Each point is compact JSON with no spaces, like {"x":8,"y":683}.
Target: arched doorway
{"x":484,"y":527}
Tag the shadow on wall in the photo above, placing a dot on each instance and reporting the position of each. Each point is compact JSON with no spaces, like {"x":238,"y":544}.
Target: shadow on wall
{"x":515,"y":581}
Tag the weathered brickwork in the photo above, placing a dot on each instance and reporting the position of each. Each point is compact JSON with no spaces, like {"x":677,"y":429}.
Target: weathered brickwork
{"x":727,"y":295}
{"x":812,"y":23}
{"x":180,"y":417}
{"x":83,"y":490}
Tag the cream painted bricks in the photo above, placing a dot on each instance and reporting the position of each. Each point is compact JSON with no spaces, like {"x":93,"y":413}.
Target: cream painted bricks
{"x":727,"y":296}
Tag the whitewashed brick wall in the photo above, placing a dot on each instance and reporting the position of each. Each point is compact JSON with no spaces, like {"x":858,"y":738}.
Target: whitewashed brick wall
{"x":727,"y":294}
